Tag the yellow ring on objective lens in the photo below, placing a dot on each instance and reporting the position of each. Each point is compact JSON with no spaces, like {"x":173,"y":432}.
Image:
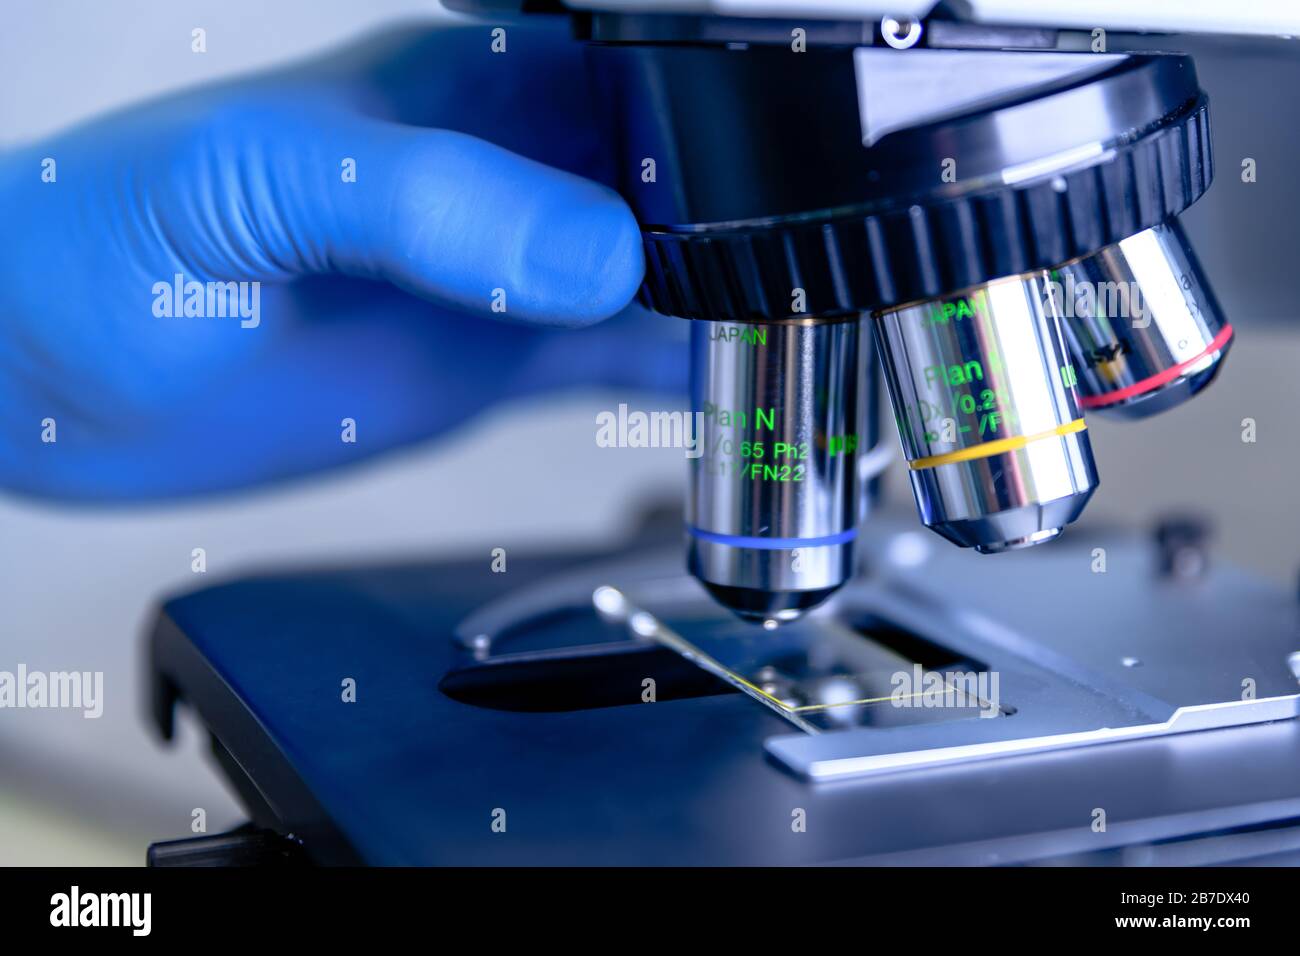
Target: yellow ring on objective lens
{"x":997,"y":447}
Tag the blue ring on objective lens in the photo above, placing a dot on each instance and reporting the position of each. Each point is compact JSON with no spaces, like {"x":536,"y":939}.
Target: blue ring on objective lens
{"x":772,"y":544}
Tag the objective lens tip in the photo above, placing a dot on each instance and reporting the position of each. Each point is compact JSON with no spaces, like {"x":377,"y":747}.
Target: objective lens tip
{"x":1016,"y":544}
{"x":767,"y":608}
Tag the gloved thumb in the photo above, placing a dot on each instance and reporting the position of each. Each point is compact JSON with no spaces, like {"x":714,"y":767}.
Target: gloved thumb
{"x":441,"y":214}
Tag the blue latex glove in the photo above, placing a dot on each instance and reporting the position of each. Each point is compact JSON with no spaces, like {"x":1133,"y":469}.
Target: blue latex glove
{"x":245,"y":182}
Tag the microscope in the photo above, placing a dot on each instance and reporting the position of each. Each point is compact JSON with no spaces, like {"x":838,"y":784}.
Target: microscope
{"x":805,"y":222}
{"x":962,"y":212}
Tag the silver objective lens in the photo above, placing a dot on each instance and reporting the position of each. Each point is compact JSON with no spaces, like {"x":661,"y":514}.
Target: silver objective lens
{"x":773,"y":499}
{"x":1141,"y":324}
{"x":986,"y":409}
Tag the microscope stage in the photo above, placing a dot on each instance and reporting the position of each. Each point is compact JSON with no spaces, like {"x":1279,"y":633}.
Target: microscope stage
{"x":484,"y":701}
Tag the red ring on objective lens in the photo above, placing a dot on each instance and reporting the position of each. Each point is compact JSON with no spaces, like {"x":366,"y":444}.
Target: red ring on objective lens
{"x":1160,"y":378}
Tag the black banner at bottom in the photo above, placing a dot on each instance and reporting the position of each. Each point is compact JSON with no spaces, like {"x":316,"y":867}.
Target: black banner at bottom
{"x":871,"y":905}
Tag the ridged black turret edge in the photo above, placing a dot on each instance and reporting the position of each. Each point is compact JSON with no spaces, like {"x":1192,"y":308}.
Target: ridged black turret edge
{"x":864,"y":260}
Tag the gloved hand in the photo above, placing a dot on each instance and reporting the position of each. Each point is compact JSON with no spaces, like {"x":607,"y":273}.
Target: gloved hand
{"x":467,"y":194}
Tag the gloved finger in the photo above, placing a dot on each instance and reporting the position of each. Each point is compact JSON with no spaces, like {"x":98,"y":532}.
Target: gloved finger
{"x":634,"y":351}
{"x":320,"y":380}
{"x":291,"y":188}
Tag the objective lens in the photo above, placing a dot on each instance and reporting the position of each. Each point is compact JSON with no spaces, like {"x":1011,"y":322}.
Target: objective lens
{"x":1141,"y":324}
{"x":986,"y":409}
{"x":773,"y":500}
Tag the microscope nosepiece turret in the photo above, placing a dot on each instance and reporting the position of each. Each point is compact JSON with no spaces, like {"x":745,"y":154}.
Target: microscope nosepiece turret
{"x":803,"y":220}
